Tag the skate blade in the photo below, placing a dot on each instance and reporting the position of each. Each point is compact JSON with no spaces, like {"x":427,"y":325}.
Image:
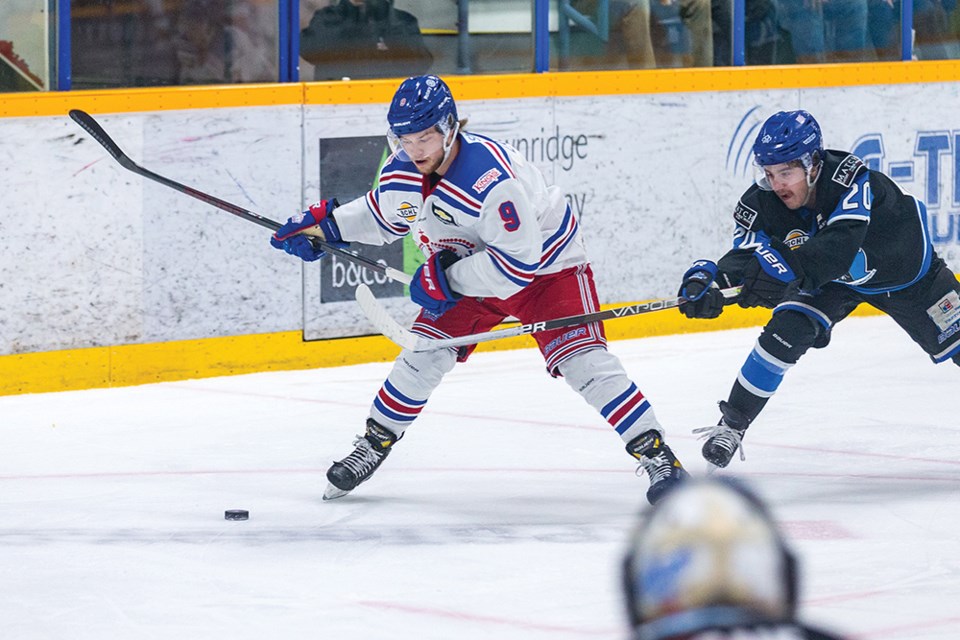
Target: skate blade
{"x":712,"y":469}
{"x":332,"y":493}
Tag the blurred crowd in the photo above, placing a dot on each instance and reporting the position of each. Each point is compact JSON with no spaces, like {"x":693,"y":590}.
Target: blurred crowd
{"x":129,"y":43}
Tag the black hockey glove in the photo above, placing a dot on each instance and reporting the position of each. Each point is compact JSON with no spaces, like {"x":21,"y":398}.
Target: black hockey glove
{"x":699,"y":294}
{"x":771,"y":277}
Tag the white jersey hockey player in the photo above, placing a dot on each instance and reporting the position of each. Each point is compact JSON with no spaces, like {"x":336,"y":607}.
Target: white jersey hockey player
{"x":498,"y":242}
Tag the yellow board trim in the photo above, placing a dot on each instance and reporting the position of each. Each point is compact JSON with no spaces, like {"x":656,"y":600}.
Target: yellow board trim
{"x":520,"y":85}
{"x":153,"y":99}
{"x":125,"y":365}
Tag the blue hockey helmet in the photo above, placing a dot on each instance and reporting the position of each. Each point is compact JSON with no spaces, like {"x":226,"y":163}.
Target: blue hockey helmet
{"x":786,"y":136}
{"x":421,"y":102}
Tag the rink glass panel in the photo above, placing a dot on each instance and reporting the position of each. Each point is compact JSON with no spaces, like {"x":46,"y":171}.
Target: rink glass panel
{"x":134,"y":43}
{"x":26,"y":45}
{"x":138,"y":43}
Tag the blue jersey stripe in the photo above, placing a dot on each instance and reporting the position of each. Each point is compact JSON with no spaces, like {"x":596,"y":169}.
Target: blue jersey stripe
{"x":520,"y":266}
{"x":508,"y":275}
{"x":552,"y":253}
{"x":927,"y":255}
{"x":459,"y":204}
{"x":399,"y":186}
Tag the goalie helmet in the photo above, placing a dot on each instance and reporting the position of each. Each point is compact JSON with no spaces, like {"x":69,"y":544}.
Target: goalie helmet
{"x":422,"y":102}
{"x":708,"y":556}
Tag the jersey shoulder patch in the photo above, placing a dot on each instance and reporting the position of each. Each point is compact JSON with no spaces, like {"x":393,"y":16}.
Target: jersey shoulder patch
{"x":744,"y":215}
{"x":485,"y":163}
{"x":847,"y":170}
{"x":480,"y":166}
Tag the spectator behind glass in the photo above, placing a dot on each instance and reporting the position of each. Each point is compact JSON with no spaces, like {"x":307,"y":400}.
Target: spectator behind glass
{"x":218,"y":41}
{"x":827,"y":30}
{"x":708,"y":563}
{"x":935,"y":36}
{"x":765,"y":40}
{"x":632,"y":19}
{"x":364,"y":39}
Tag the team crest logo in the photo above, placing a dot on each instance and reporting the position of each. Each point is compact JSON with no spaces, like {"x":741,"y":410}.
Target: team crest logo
{"x":408,"y":211}
{"x":795,"y":238}
{"x":859,"y":272}
{"x":443,"y":216}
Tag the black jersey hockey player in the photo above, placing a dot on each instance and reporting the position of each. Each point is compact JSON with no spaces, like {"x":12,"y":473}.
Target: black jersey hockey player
{"x":817,"y":235}
{"x":499,"y":242}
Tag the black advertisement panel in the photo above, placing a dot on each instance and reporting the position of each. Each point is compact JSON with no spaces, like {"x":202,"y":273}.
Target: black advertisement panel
{"x":348,"y":169}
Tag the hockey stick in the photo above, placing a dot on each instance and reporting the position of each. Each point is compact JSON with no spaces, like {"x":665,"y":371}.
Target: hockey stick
{"x":388,"y":326}
{"x":91,"y":126}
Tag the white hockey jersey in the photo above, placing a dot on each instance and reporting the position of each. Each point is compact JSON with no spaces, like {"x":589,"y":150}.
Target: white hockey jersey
{"x":492,"y":208}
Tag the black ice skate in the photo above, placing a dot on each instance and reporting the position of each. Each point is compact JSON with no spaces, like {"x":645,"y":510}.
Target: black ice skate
{"x":658,"y":461}
{"x":724,"y":439}
{"x":371,"y":450}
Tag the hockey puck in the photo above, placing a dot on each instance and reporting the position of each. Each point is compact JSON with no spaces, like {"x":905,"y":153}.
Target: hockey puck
{"x":236,"y":514}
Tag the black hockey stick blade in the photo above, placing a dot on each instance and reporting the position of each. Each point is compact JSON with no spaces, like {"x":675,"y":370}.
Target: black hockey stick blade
{"x":91,"y":126}
{"x":96,"y":132}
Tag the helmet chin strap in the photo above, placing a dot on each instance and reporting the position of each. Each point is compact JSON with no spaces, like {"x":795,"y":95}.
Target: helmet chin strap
{"x":811,"y":179}
{"x":811,"y":184}
{"x":816,"y":162}
{"x":448,"y":146}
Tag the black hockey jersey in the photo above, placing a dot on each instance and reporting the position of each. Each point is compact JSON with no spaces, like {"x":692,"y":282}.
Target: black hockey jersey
{"x":697,"y":625}
{"x":863,"y":231}
{"x":758,"y":632}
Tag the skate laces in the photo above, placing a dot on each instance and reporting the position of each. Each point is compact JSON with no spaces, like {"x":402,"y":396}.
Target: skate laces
{"x":659,"y":467}
{"x":721,"y":435}
{"x":363,"y":459}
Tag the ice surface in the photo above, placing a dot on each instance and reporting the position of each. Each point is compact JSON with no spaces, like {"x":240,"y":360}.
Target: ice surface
{"x":502,"y":513}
